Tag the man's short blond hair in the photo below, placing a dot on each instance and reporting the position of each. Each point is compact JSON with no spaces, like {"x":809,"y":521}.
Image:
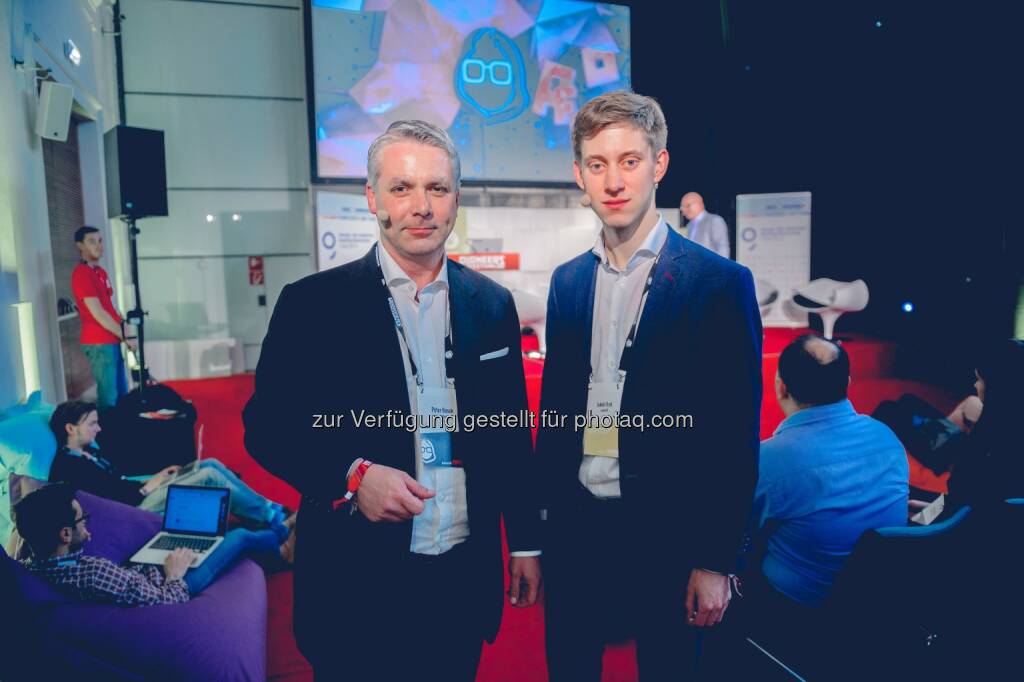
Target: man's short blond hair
{"x":416,"y":131}
{"x":615,"y":108}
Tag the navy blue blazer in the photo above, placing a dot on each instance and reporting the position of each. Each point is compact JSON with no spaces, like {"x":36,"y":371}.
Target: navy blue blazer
{"x":332,"y":348}
{"x":697,"y":352}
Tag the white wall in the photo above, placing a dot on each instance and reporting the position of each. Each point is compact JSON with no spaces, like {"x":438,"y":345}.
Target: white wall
{"x":226,"y":84}
{"x":26,"y":265}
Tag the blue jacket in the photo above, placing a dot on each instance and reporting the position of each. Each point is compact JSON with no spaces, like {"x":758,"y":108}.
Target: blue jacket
{"x":698,"y":353}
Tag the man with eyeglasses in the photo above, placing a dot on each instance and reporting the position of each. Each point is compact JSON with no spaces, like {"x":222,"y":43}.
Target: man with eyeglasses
{"x":54,"y":525}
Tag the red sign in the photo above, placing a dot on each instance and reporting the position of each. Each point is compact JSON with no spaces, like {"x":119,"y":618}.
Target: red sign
{"x":255,"y":270}
{"x":487,"y":261}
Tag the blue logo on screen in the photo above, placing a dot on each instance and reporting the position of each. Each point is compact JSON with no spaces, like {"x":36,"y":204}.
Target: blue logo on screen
{"x":749,"y":235}
{"x":491,"y":77}
{"x":329,"y":242}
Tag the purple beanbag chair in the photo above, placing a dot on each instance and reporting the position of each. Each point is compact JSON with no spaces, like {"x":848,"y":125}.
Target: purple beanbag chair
{"x":219,"y":635}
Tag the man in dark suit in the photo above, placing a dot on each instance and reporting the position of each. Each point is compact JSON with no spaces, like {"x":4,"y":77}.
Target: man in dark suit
{"x":364,"y":373}
{"x":653,"y":360}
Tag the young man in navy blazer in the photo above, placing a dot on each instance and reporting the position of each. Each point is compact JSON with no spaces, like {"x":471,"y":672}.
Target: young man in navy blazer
{"x":364,"y":373}
{"x":650,"y":415}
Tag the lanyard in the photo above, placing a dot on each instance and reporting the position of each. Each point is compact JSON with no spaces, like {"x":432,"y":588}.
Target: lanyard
{"x":627,"y":349}
{"x":101,"y":462}
{"x":449,"y":348}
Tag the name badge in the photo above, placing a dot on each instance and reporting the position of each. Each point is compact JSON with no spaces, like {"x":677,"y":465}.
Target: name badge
{"x":437,"y":419}
{"x":601,"y":433}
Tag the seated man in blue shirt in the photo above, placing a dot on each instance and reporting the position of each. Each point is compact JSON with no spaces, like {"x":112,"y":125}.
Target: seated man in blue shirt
{"x":827,"y":474}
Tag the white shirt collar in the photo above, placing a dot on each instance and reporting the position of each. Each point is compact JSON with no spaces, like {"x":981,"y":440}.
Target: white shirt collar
{"x":395,"y":276}
{"x":700,"y":217}
{"x":650,"y":247}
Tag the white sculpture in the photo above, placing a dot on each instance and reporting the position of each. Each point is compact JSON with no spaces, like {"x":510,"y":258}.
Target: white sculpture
{"x":830,"y":299}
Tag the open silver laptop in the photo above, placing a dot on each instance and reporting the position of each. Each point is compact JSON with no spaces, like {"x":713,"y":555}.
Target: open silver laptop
{"x":195,"y":517}
{"x":194,"y":464}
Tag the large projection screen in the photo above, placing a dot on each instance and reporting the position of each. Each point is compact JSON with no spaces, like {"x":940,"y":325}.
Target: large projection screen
{"x":504,"y":77}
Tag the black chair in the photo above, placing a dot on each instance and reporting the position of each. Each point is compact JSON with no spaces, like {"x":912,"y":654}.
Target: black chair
{"x":939,"y":602}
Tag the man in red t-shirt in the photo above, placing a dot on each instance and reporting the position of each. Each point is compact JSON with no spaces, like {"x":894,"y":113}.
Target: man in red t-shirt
{"x":102,"y":331}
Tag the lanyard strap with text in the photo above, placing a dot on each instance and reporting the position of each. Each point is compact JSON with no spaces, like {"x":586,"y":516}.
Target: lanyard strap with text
{"x":449,"y":348}
{"x":627,"y":349}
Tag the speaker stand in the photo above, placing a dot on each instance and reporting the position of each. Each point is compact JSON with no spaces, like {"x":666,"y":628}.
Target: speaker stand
{"x":137,"y":315}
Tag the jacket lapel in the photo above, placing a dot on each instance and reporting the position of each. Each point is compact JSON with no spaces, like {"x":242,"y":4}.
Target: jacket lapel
{"x":465,"y":329}
{"x":585,"y":305}
{"x":379,"y":318}
{"x":695,"y":230}
{"x":669,"y":275}
{"x":465,"y":334}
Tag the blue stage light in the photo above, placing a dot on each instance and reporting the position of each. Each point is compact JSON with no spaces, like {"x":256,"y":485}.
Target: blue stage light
{"x":908,"y":307}
{"x":878,"y":24}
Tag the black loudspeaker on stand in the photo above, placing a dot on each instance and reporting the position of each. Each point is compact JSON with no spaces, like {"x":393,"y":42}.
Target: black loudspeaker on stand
{"x":136,"y":188}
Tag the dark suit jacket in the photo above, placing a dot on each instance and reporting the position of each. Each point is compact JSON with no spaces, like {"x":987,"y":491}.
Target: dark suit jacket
{"x":83,"y":474}
{"x":331,"y":348}
{"x":697,"y":352}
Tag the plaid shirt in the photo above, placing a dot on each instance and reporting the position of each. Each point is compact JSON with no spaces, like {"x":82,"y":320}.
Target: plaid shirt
{"x":94,"y":578}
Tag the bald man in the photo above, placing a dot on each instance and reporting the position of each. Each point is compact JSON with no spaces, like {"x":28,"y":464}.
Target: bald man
{"x":827,"y":474}
{"x":707,"y":229}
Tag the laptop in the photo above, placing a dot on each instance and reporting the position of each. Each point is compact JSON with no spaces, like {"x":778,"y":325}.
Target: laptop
{"x":195,"y":517}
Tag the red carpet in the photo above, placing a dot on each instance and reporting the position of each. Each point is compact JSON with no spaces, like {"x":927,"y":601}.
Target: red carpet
{"x":518,"y":654}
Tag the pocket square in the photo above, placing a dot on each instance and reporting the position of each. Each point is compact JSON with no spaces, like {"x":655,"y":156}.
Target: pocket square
{"x":494,"y":354}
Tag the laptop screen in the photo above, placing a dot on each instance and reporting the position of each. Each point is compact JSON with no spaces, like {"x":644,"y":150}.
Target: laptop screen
{"x":196,"y":510}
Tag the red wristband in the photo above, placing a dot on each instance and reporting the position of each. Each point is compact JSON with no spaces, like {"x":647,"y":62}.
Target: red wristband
{"x":353,"y":483}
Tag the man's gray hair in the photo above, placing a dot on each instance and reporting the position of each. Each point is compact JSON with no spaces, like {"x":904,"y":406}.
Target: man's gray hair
{"x":419,"y":131}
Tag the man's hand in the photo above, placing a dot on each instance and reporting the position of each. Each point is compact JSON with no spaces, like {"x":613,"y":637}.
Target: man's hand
{"x":152,"y":484}
{"x":388,"y":494}
{"x":177,"y":563}
{"x":707,"y":598}
{"x":159,"y":479}
{"x":524,"y":580}
{"x":132,"y":344}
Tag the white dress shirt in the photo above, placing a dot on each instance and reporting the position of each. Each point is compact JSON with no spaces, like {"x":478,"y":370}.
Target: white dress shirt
{"x":616,"y":300}
{"x":444,"y":522}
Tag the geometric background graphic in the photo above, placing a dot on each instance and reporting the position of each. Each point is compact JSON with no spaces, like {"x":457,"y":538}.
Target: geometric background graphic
{"x":504,"y":77}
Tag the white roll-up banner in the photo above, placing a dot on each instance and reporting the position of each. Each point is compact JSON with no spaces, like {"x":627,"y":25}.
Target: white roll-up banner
{"x":773,"y":239}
